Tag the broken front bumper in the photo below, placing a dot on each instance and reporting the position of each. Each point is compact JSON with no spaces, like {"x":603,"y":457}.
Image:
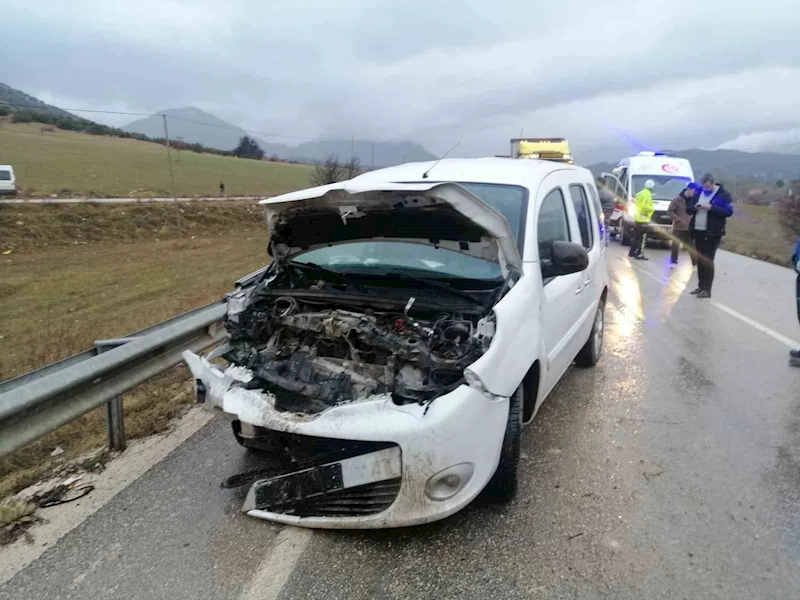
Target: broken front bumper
{"x":446,"y":451}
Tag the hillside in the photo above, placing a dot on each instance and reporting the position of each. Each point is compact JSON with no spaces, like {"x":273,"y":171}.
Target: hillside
{"x":193,"y":125}
{"x":13,"y":96}
{"x":52,"y":161}
{"x":734,"y":165}
{"x":197,"y":126}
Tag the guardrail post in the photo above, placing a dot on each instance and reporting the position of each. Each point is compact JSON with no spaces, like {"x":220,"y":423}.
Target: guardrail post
{"x":115,"y":423}
{"x":115,"y":415}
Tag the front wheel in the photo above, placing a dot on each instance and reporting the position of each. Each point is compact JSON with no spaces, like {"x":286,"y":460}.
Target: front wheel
{"x":503,"y":485}
{"x":591,"y":351}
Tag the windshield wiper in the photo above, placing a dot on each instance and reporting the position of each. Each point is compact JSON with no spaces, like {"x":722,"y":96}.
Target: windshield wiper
{"x":340,"y":276}
{"x":436,"y":286}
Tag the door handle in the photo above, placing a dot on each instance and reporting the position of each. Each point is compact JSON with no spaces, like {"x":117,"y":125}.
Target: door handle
{"x":587,"y":282}
{"x":579,"y":290}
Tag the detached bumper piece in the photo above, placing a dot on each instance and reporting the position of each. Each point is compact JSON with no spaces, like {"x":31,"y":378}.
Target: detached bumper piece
{"x":361,"y":485}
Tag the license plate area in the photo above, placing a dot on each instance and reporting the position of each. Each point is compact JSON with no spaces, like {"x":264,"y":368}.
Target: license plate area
{"x":285,"y":492}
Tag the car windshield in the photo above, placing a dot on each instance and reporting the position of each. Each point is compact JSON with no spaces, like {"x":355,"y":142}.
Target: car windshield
{"x":667,"y":186}
{"x":509,"y":200}
{"x":412,"y":258}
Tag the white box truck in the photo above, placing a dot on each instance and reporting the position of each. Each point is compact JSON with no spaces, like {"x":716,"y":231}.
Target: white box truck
{"x":670,"y":174}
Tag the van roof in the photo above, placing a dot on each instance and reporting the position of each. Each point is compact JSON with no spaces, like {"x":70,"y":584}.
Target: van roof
{"x":473,"y":170}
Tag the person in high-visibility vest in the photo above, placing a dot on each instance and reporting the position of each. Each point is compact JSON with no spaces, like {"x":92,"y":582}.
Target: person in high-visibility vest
{"x":643,"y":211}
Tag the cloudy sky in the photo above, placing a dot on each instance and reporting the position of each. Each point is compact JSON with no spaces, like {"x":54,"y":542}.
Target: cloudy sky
{"x":676,"y":74}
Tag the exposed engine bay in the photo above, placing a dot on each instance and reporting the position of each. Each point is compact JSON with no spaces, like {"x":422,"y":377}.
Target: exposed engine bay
{"x":312,"y":354}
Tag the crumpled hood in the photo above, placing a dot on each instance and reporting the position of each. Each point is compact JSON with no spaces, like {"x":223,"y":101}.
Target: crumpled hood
{"x":440,"y":214}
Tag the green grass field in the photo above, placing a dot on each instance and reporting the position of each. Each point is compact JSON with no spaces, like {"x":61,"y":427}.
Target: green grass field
{"x":68,"y":163}
{"x":756,"y":231}
{"x":56,"y":302}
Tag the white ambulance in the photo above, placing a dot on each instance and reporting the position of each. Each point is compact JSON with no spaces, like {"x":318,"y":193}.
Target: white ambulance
{"x":670,"y":174}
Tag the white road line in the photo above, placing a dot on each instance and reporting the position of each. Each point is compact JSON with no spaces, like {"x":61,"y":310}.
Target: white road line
{"x":744,"y":319}
{"x":762,"y":328}
{"x":274,"y":571}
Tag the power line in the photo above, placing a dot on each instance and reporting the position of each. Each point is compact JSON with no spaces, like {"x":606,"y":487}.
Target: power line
{"x":89,"y":110}
{"x":138,"y":114}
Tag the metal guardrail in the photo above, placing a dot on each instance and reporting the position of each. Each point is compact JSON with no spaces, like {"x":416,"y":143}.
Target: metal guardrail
{"x":43,"y":400}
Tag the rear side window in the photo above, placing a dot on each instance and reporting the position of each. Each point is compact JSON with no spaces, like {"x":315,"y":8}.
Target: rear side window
{"x":5,"y":175}
{"x":553,"y":225}
{"x":598,"y":209}
{"x":581,"y":204}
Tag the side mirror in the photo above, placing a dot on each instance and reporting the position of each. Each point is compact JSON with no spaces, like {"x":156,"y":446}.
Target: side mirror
{"x":565,"y":258}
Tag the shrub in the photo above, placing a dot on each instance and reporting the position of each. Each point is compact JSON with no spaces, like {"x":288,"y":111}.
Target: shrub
{"x":789,"y":208}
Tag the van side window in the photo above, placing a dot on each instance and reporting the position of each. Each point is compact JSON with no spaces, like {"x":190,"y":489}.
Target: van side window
{"x":553,"y":225}
{"x":5,"y":175}
{"x":581,"y":204}
{"x":598,"y":209}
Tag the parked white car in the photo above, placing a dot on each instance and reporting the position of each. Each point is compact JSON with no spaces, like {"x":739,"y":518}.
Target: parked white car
{"x":411,"y":321}
{"x":8,"y":182}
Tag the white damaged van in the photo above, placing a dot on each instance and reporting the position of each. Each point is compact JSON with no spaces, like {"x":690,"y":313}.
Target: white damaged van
{"x":8,"y":183}
{"x":670,"y":174}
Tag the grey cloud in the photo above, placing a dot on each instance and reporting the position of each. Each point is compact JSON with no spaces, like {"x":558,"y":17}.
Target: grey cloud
{"x":437,"y":72}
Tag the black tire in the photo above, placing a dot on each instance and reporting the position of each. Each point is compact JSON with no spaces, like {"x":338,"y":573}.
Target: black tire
{"x":503,"y":485}
{"x":593,"y":348}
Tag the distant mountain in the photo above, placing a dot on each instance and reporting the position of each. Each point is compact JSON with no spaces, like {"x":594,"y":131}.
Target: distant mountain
{"x":381,"y":154}
{"x":16,"y":97}
{"x":733,"y":165}
{"x":193,"y":125}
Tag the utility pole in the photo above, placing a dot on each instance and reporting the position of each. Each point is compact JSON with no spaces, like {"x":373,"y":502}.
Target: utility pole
{"x":352,"y":147}
{"x":373,"y":156}
{"x":172,"y":178}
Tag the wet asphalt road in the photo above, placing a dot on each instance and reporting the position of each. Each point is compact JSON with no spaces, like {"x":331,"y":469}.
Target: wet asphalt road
{"x":672,"y":470}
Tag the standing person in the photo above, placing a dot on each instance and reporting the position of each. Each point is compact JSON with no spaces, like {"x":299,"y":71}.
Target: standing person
{"x":680,"y":222}
{"x":641,"y":217}
{"x":710,"y":210}
{"x":794,"y":355}
{"x":222,"y":189}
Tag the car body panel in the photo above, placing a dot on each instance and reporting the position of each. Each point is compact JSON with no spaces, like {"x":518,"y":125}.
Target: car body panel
{"x":360,"y":197}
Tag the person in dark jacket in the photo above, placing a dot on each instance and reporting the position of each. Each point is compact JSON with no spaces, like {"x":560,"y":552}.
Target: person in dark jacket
{"x":709,"y":211}
{"x":680,"y":222}
{"x":794,"y":355}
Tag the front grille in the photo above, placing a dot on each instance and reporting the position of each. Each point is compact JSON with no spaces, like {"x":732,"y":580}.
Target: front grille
{"x":286,"y":453}
{"x":358,"y":501}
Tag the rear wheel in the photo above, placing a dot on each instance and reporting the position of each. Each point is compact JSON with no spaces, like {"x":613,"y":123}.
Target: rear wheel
{"x":503,"y":485}
{"x":591,"y":351}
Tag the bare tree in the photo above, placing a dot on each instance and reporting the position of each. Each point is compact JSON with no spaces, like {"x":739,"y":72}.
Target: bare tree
{"x":352,"y":168}
{"x":333,"y":171}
